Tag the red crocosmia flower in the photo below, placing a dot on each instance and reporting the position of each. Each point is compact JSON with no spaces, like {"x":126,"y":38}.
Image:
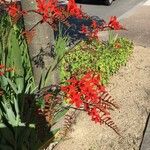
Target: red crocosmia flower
{"x":95,"y":115}
{"x":13,"y":10}
{"x":91,"y":34}
{"x":85,"y":92}
{"x":84,"y":29}
{"x":64,"y":88}
{"x":43,"y":8}
{"x":48,"y":9}
{"x":2,"y":66}
{"x":101,"y":88}
{"x":114,"y":24}
{"x":76,"y":99}
{"x":73,"y":9}
{"x":94,"y":24}
{"x":72,"y":93}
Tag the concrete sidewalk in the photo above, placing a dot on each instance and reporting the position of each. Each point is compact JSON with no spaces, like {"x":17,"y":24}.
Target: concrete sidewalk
{"x":137,"y":23}
{"x":138,"y":26}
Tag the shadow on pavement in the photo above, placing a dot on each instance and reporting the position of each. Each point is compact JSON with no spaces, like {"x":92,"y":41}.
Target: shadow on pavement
{"x":74,"y":30}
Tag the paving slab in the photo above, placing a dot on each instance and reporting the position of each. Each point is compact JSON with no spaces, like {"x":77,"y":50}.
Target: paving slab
{"x":138,"y":26}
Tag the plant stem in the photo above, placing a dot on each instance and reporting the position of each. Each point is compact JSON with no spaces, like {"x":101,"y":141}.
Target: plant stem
{"x":35,"y":25}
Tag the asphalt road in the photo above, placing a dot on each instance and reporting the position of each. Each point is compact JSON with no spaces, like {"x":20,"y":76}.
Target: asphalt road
{"x":118,"y":8}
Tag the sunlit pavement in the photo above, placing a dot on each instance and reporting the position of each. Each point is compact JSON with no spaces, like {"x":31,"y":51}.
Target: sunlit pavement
{"x":118,"y":8}
{"x":137,"y":22}
{"x":144,"y":13}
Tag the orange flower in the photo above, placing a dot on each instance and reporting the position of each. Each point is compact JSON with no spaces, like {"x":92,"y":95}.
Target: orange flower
{"x":9,"y":69}
{"x":13,"y":9}
{"x":117,"y":45}
{"x":5,"y":69}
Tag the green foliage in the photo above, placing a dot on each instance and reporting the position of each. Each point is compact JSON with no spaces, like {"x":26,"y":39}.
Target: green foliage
{"x":17,"y":105}
{"x":105,"y":58}
{"x":14,"y":51}
{"x":112,"y":38}
{"x":18,"y":118}
{"x":16,"y":131}
{"x":61,"y":44}
{"x":76,"y":60}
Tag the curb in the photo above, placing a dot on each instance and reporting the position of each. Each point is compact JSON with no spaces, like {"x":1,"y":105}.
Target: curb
{"x":145,"y":143}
